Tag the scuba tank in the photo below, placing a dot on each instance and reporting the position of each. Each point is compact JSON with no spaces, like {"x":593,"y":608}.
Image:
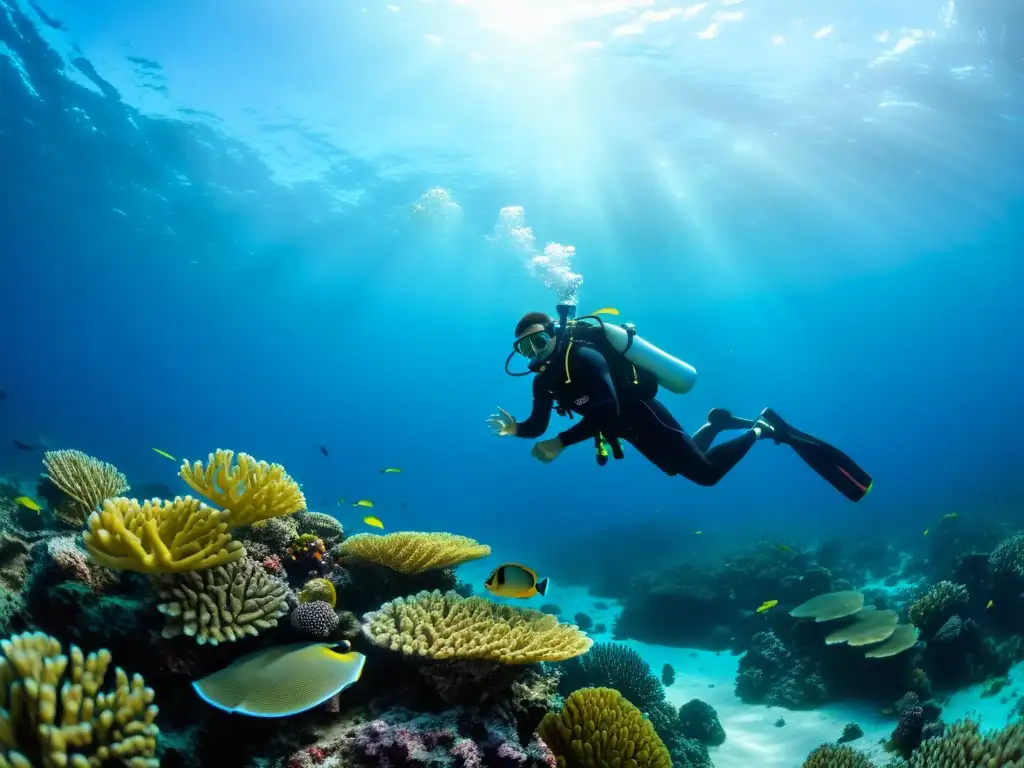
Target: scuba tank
{"x":671,"y":372}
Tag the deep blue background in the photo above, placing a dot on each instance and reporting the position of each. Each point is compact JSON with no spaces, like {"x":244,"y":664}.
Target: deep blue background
{"x":163,"y":286}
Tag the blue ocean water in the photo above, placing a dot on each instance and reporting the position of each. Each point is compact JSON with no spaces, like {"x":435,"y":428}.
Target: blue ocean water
{"x":218,"y":229}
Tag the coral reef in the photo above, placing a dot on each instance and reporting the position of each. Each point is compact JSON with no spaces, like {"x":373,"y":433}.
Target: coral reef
{"x":447,"y":626}
{"x":851,"y":732}
{"x":38,"y":682}
{"x":698,"y":720}
{"x":965,"y":745}
{"x":222,"y":604}
{"x":771,"y":674}
{"x":318,"y":589}
{"x":668,"y":675}
{"x":832,"y":756}
{"x":598,"y":726}
{"x":938,"y":605}
{"x":324,"y":527}
{"x":611,"y":665}
{"x":413,"y":552}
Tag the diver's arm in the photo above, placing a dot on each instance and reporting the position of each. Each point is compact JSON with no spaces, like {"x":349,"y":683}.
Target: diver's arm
{"x":603,"y":406}
{"x":537,"y":424}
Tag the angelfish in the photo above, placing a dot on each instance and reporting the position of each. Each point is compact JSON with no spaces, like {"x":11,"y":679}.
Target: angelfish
{"x":514,"y":580}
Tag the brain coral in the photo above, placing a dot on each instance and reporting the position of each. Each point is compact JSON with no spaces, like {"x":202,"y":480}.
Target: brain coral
{"x":51,"y":709}
{"x":222,"y":604}
{"x":412,"y":551}
{"x":448,"y":626}
{"x":598,"y":728}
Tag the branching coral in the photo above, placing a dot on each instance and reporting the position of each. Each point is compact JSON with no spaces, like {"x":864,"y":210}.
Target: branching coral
{"x":249,"y":490}
{"x":160,"y":536}
{"x":414,"y":552}
{"x":940,"y":602}
{"x":447,"y":626}
{"x":86,"y":480}
{"x":52,"y":713}
{"x":598,"y":727}
{"x":964,"y":746}
{"x":1008,"y":557}
{"x":222,"y":604}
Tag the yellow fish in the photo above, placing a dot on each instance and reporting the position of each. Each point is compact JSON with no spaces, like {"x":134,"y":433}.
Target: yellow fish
{"x":950,"y":516}
{"x":990,"y":602}
{"x":364,"y":503}
{"x":926,"y":531}
{"x":767,"y":605}
{"x":514,"y":580}
{"x":165,"y":454}
{"x":605,"y":311}
{"x":390,"y":471}
{"x":697,"y":533}
{"x":783,"y":548}
{"x":373,"y":522}
{"x":28,"y":503}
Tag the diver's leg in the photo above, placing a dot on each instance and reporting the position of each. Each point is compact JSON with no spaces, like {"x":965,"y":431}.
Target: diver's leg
{"x":655,"y":433}
{"x":719,"y":420}
{"x":842,"y":472}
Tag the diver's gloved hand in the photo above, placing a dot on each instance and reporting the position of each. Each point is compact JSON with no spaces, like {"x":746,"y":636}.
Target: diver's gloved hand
{"x":548,"y":450}
{"x":502,"y":424}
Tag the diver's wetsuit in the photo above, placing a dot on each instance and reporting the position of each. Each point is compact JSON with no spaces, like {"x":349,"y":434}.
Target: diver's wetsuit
{"x":643,"y":421}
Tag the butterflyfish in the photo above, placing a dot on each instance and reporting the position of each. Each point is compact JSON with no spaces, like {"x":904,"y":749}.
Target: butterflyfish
{"x":514,"y":580}
{"x":282,"y":680}
{"x":373,"y":522}
{"x":767,"y":605}
{"x":364,"y":503}
{"x":28,"y":503}
{"x":390,"y":471}
{"x":165,"y":454}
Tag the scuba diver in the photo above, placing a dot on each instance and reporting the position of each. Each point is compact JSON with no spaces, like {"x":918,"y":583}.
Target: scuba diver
{"x":610,"y":377}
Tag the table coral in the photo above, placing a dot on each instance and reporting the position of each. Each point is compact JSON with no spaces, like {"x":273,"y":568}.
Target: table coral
{"x":447,"y":626}
{"x":414,"y":552}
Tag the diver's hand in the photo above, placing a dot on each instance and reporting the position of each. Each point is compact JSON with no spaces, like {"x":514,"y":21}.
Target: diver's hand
{"x":502,"y":423}
{"x":548,"y":450}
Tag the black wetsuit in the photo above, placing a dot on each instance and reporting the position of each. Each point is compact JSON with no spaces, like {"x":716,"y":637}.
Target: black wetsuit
{"x":618,"y":412}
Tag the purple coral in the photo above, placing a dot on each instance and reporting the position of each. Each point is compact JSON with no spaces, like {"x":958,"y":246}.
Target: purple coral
{"x":316,"y":619}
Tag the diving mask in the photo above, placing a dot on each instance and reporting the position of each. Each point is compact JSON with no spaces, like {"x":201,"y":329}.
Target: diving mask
{"x":535,"y":345}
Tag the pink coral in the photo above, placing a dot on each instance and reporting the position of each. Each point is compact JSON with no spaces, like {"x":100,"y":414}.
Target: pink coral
{"x":307,"y":758}
{"x":467,"y":751}
{"x":272,"y":565}
{"x":74,"y":564}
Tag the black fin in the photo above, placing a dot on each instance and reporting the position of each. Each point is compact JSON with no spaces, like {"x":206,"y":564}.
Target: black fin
{"x":542,"y":587}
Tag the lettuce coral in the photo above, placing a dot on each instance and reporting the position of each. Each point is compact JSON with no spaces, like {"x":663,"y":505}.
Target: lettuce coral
{"x":413,"y":552}
{"x":52,"y":713}
{"x":439,"y":625}
{"x":598,"y":727}
{"x":249,"y":490}
{"x":160,"y":536}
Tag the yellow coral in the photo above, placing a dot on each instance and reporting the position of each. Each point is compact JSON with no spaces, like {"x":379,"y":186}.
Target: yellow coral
{"x":597,"y":728}
{"x":86,"y":480}
{"x":448,"y":626}
{"x":319,"y":589}
{"x":36,"y":683}
{"x":160,"y":536}
{"x":222,"y":604}
{"x":249,"y":491}
{"x":414,"y":552}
